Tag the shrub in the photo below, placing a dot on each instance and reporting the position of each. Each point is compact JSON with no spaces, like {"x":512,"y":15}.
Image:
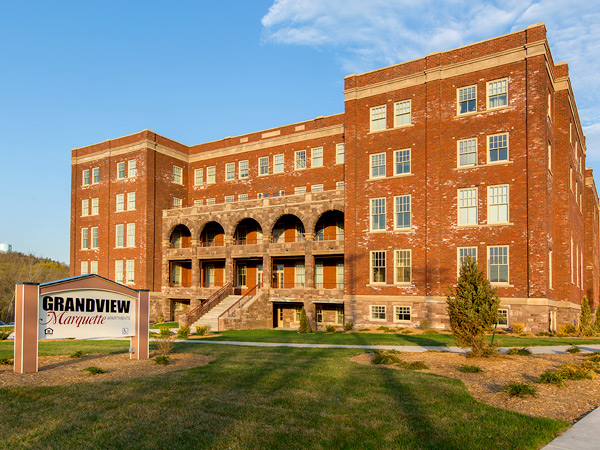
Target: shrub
{"x":425,"y":325}
{"x":164,"y":331}
{"x":586,"y":326}
{"x":520,"y":390}
{"x":162,"y":359}
{"x":518,"y":328}
{"x":202,"y":330}
{"x":430,"y":332}
{"x":592,"y":365}
{"x":348,"y":326}
{"x":406,"y":332}
{"x":304,"y":324}
{"x":594,"y":357}
{"x":364,"y":329}
{"x":473,"y":309}
{"x":597,"y":322}
{"x":330,"y":328}
{"x":575,"y":372}
{"x":5,"y":361}
{"x":465,"y":368}
{"x":545,"y":333}
{"x":385,"y":329}
{"x":4,"y":335}
{"x":93,"y":370}
{"x":165,"y":345}
{"x":183,"y":332}
{"x":77,"y":354}
{"x":160,"y":319}
{"x":550,"y":377}
{"x":519,"y":351}
{"x":415,"y":365}
{"x":573,"y":349}
{"x":386,"y":357}
{"x":567,"y":329}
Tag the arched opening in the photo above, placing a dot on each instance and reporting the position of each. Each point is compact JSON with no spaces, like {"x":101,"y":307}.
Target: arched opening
{"x":181,"y":237}
{"x":330,"y":226}
{"x":212,"y":235}
{"x":248,"y":232}
{"x":288,"y":228}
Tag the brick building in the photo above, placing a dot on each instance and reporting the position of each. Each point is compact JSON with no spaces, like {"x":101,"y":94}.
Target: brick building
{"x":363,"y":216}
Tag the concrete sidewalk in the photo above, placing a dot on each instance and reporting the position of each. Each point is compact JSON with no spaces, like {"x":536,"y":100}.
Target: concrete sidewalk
{"x":583,"y":435}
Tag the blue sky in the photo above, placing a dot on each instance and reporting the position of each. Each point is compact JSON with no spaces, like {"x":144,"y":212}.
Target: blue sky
{"x":74,"y":73}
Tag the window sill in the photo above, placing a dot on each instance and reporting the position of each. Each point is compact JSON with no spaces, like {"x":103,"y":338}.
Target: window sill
{"x":485,"y":225}
{"x":377,"y":284}
{"x":379,"y":131}
{"x":408,"y":285}
{"x":403,"y":230}
{"x":402,"y":175}
{"x":377,"y":320}
{"x":477,"y":166}
{"x":400,"y":127}
{"x":497,"y":108}
{"x":502,"y":285}
{"x":377,"y":231}
{"x":376,"y":178}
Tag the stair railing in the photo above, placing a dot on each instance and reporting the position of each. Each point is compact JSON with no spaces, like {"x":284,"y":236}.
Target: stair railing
{"x":239,"y":304}
{"x":195,"y":313}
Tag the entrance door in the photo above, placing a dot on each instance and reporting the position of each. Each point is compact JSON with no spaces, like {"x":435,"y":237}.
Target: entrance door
{"x":279,"y":276}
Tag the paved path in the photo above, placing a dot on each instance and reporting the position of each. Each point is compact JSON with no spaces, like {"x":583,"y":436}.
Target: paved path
{"x":583,"y":435}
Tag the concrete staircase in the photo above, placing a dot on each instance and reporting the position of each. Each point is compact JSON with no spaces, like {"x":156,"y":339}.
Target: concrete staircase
{"x":211,"y":318}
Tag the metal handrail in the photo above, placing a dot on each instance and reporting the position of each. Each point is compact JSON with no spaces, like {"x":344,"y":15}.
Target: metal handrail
{"x":240,"y":302}
{"x":195,"y":313}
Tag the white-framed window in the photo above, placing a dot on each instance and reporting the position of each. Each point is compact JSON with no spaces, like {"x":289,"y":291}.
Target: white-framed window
{"x":316,"y":188}
{"x":316,"y":157}
{"x":198,"y":202}
{"x":378,"y":117}
{"x":571,"y":254}
{"x":177,"y":175}
{"x":402,"y":219}
{"x":131,"y":201}
{"x":377,"y":312}
{"x":550,"y":157}
{"x":402,"y":161}
{"x":498,"y":204}
{"x":263,"y":165}
{"x":210,"y":174}
{"x":467,"y":206}
{"x":300,"y":190}
{"x":497,"y":93}
{"x":85,"y":207}
{"x":242,"y":197}
{"x":94,"y":237}
{"x":119,"y":271}
{"x":502,"y":317}
{"x":198,"y":177}
{"x":549,"y":106}
{"x":120,"y":170}
{"x":402,"y":266}
{"x":177,"y":202}
{"x":278,"y":163}
{"x":210,"y":201}
{"x":300,"y":160}
{"x":94,"y":267}
{"x":467,"y":99}
{"x":119,"y":236}
{"x":467,"y":152}
{"x":96,"y":175}
{"x":300,"y":275}
{"x":340,"y":150}
{"x":85,"y":177}
{"x":402,"y":313}
{"x":131,"y":235}
{"x":120,"y":202}
{"x":462,"y":253}
{"x":131,"y":168}
{"x":130,"y":265}
{"x":498,"y":264}
{"x":377,"y":165}
{"x":377,"y":214}
{"x":84,"y":268}
{"x":229,"y":198}
{"x":85,"y":238}
{"x":378,"y":267}
{"x":402,"y":113}
{"x":95,"y":206}
{"x":243,"y":165}
{"x":550,"y":269}
{"x":339,"y":185}
{"x":230,"y":171}
{"x":241,"y":275}
{"x":498,"y":147}
{"x":339,"y":275}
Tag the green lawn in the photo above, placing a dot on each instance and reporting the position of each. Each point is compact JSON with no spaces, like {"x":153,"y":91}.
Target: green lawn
{"x":263,"y":398}
{"x":156,"y":326}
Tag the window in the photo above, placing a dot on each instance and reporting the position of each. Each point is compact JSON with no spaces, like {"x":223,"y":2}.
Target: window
{"x":94,"y":237}
{"x":300,"y":275}
{"x":300,"y":190}
{"x":130,"y":264}
{"x":85,"y":207}
{"x":297,"y":313}
{"x":377,"y":214}
{"x":497,"y":93}
{"x":177,"y":202}
{"x":241,"y":275}
{"x":177,"y":175}
{"x":317,"y":188}
{"x":120,"y":241}
{"x":572,"y":260}
{"x":131,"y":200}
{"x":378,"y":165}
{"x":278,"y":163}
{"x":339,"y":185}
{"x":120,"y":170}
{"x":131,"y":235}
{"x":467,"y":152}
{"x":244,"y":169}
{"x":317,"y":157}
{"x":119,"y":271}
{"x":96,"y":175}
{"x":401,"y":313}
{"x":230,"y":171}
{"x":402,"y":162}
{"x":467,"y":206}
{"x":402,"y":211}
{"x":402,"y":272}
{"x":229,"y":199}
{"x":210,"y":174}
{"x":340,"y":150}
{"x":502,"y":317}
{"x":131,"y":168}
{"x":242,"y":197}
{"x":263,"y":166}
{"x":85,"y":243}
{"x":84,"y":267}
{"x":339,"y":276}
{"x":463,"y":253}
{"x":550,"y":269}
{"x":467,"y":99}
{"x":210,"y":201}
{"x":120,"y":202}
{"x":498,"y":204}
{"x":377,"y":312}
{"x":549,"y":106}
{"x":86,"y":177}
{"x":402,"y":113}
{"x":550,"y":157}
{"x":198,"y":177}
{"x":95,"y":202}
{"x":94,"y":267}
{"x":571,"y":178}
{"x":498,"y":264}
{"x":378,"y":267}
{"x":300,"y":159}
{"x":198,"y":202}
{"x":378,"y":114}
{"x":498,"y":147}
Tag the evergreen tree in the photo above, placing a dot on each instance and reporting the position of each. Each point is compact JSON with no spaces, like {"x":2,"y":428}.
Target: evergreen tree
{"x":597,"y":324}
{"x":473,"y":309}
{"x":586,"y":327}
{"x":304,"y":324}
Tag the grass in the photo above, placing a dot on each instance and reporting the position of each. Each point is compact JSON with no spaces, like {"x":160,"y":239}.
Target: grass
{"x":156,"y":326}
{"x":257,"y":398}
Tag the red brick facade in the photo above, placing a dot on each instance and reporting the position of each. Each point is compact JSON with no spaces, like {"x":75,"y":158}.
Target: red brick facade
{"x":363,"y":216}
